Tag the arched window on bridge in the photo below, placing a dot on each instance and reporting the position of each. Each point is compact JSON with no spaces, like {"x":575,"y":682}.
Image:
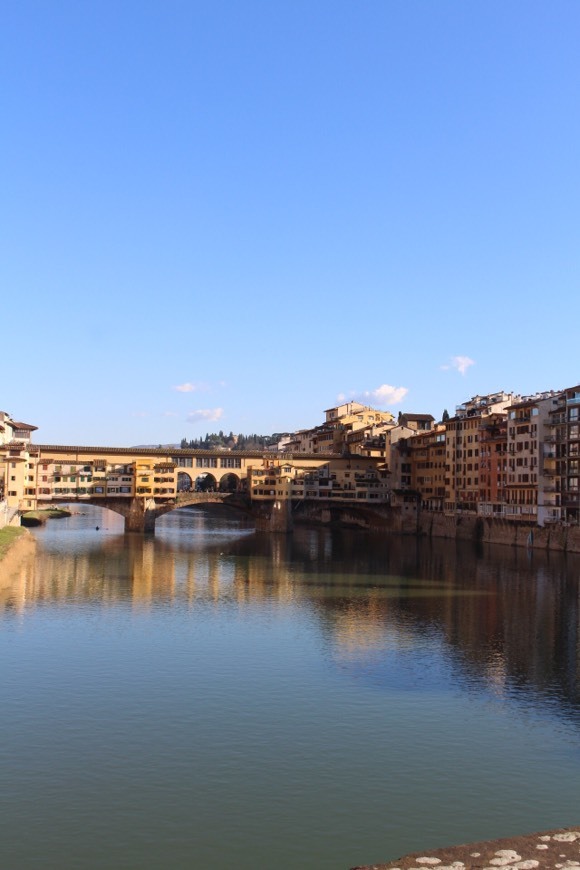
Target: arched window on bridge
{"x":184,"y":482}
{"x":229,"y":483}
{"x":206,"y":483}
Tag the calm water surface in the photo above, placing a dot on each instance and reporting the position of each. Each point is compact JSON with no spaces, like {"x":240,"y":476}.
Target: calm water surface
{"x":219,"y":699}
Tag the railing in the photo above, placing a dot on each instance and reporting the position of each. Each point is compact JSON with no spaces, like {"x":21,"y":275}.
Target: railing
{"x":190,"y":497}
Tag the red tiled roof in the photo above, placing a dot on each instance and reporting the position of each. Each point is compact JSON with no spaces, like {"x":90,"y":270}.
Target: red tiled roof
{"x":16,"y":425}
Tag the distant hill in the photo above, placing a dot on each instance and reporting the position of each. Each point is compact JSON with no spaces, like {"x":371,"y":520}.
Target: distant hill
{"x":154,"y":447}
{"x":220,"y":441}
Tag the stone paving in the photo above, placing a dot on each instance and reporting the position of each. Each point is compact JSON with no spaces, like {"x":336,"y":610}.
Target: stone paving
{"x":556,"y":850}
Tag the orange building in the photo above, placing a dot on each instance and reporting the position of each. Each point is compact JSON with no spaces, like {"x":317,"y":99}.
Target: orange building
{"x":492,"y":465}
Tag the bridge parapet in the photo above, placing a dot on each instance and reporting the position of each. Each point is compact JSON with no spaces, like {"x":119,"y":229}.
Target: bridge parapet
{"x":186,"y":498}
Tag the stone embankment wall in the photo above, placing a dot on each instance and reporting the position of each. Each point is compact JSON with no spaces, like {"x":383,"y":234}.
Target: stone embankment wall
{"x":404,"y":520}
{"x":380,"y":518}
{"x":498,"y":531}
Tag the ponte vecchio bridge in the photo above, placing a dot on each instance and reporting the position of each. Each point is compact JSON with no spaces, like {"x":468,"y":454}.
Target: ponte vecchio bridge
{"x":142,"y":484}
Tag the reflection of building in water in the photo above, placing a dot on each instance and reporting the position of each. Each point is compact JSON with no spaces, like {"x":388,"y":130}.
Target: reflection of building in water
{"x":364,"y":627}
{"x":496,"y":673}
{"x":501,"y":616}
{"x":504,"y":619}
{"x":122,"y":568}
{"x":151,"y":571}
{"x":17,"y":576}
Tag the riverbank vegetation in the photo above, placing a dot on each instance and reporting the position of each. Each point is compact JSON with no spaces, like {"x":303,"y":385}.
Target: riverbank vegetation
{"x":36,"y":518}
{"x":8,"y":535}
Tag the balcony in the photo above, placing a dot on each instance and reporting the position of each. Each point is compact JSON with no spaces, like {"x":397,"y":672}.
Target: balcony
{"x":570,"y":500}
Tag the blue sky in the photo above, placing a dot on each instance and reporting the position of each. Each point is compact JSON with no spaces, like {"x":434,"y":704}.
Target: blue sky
{"x":230,"y":214}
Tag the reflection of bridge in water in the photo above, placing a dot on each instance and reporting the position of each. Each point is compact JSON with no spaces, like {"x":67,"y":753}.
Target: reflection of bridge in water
{"x":371,"y":595}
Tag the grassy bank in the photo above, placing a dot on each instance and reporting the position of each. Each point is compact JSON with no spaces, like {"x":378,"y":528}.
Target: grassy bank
{"x":8,"y":535}
{"x":35,"y":518}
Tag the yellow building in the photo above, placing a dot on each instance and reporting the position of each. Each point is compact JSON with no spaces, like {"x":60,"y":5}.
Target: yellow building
{"x":17,"y":464}
{"x":345,"y":429}
{"x":427,"y":457}
{"x":337,"y":478}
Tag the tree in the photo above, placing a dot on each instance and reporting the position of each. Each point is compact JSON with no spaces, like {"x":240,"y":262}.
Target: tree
{"x":445,"y":416}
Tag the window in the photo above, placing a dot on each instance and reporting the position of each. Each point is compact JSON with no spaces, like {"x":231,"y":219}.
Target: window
{"x":183,"y":461}
{"x":230,"y":462}
{"x":206,"y":462}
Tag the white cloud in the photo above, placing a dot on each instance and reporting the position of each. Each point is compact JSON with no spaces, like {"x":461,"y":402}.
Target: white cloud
{"x":383,"y":395}
{"x":459,"y":363}
{"x":387,"y":395}
{"x":207,"y":414}
{"x":192,"y":388}
{"x":170,"y":414}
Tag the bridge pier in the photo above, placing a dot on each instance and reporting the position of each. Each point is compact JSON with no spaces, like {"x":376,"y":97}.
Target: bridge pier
{"x":141,"y":516}
{"x":274,"y":517}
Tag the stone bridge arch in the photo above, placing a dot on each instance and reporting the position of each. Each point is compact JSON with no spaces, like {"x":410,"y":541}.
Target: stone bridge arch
{"x":141,"y":513}
{"x":190,"y":499}
{"x":120,"y":506}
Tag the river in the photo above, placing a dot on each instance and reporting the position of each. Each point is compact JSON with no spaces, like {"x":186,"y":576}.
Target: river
{"x":213,"y":698}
